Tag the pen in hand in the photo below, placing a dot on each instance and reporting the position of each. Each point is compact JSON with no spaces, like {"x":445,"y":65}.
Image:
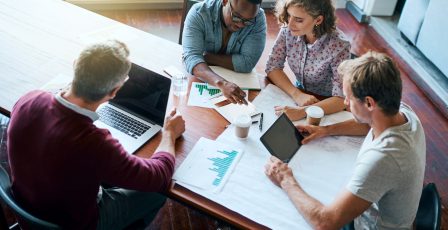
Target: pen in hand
{"x":260,"y":126}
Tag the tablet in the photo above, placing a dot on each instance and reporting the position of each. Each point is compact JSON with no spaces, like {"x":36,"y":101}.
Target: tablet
{"x":282,"y":139}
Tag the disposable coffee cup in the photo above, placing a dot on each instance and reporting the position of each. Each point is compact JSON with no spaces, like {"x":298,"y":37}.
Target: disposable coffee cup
{"x":314,"y":114}
{"x":242,"y":125}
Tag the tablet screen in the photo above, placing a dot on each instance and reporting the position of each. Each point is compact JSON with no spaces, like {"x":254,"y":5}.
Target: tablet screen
{"x":282,"y":139}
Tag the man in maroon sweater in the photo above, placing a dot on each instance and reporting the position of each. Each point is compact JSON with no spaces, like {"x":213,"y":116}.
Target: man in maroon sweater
{"x":59,"y":158}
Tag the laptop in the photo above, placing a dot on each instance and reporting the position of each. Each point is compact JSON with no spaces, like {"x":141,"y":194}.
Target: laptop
{"x":137,"y":112}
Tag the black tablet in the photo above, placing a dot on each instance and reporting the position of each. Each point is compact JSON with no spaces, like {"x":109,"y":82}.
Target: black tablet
{"x":282,"y":139}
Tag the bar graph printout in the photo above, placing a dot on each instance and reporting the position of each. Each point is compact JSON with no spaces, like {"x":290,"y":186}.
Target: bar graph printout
{"x":200,"y":94}
{"x":208,"y":165}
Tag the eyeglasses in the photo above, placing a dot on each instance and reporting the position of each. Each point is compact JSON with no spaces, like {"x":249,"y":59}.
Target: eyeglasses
{"x":238,"y":19}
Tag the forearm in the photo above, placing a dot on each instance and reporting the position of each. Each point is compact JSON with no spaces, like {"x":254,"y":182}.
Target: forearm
{"x":347,"y":128}
{"x":280,"y":79}
{"x":167,"y":144}
{"x":222,"y":60}
{"x":203,"y":72}
{"x":331,"y":105}
{"x":311,"y":209}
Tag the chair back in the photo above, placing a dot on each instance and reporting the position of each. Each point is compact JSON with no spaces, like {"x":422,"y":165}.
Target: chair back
{"x":429,"y":209}
{"x":6,"y":196}
{"x":186,"y":7}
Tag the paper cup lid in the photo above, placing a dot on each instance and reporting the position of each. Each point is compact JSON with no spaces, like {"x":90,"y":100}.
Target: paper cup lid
{"x":315,"y":111}
{"x":242,"y":120}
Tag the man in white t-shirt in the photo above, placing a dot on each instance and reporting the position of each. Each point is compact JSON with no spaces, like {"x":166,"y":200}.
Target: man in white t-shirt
{"x":385,"y":188}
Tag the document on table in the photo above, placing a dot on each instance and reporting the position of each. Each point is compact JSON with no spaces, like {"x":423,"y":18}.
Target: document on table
{"x":231,"y":111}
{"x":208,"y":165}
{"x":243,"y":80}
{"x":201,"y":95}
{"x":322,"y":167}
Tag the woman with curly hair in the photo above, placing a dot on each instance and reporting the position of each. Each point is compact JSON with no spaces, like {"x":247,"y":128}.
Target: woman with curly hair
{"x":313,"y":48}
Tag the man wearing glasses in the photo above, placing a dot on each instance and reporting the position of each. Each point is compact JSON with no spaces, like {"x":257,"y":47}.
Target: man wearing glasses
{"x":226,"y":33}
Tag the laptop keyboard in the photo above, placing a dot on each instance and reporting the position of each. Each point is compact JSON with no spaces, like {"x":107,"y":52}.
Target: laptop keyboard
{"x":122,"y":122}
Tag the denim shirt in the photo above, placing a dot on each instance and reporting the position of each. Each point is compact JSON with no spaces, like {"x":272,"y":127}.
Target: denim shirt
{"x":203,"y":32}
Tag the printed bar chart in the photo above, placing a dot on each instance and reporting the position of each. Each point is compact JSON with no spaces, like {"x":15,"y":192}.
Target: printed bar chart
{"x":204,"y":87}
{"x":208,"y":165}
{"x":222,"y":165}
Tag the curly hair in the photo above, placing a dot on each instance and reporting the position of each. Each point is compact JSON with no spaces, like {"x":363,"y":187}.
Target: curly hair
{"x":313,"y":8}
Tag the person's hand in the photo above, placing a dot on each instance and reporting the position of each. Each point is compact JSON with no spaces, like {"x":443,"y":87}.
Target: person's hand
{"x":303,"y":99}
{"x":233,"y":93}
{"x":293,"y":113}
{"x":312,"y":132}
{"x":174,"y":124}
{"x":278,"y":172}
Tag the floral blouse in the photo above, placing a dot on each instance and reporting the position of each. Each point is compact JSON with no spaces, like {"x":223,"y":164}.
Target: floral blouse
{"x":314,"y":65}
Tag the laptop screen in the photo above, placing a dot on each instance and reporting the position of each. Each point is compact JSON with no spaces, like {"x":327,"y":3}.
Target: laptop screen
{"x":145,"y":94}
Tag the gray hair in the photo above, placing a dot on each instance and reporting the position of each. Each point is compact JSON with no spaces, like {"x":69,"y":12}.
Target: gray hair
{"x":99,"y":69}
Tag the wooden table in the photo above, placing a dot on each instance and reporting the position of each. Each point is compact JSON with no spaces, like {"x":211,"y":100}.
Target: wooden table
{"x":37,"y":45}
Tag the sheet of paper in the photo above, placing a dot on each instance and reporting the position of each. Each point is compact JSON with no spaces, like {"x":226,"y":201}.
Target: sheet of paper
{"x":243,"y":80}
{"x":203,"y":95}
{"x":322,"y":167}
{"x":208,"y":165}
{"x":57,"y":84}
{"x":231,"y":111}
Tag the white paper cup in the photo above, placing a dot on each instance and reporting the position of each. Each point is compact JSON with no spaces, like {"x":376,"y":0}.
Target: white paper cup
{"x":314,"y":114}
{"x":242,"y":125}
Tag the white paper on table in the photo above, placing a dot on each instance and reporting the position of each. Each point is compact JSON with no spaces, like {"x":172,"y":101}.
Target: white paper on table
{"x":57,"y":84}
{"x":202,"y":94}
{"x":231,"y":111}
{"x":322,"y":167}
{"x":208,"y":165}
{"x":243,"y":80}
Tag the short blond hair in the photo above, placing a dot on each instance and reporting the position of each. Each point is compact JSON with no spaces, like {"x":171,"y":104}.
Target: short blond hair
{"x":374,"y":75}
{"x":313,"y":8}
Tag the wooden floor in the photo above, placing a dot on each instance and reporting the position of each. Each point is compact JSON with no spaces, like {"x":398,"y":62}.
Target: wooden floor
{"x":363,"y":38}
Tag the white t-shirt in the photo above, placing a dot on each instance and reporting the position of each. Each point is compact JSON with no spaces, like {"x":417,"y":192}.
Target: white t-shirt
{"x":389,"y":173}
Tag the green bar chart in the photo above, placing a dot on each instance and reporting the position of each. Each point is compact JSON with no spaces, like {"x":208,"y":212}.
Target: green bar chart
{"x":205,"y":88}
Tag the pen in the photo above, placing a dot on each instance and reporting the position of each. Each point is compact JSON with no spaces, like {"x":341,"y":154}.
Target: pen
{"x":215,"y":96}
{"x":261,"y":122}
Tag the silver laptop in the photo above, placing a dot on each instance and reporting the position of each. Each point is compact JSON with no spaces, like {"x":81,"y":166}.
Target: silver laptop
{"x":138,"y":110}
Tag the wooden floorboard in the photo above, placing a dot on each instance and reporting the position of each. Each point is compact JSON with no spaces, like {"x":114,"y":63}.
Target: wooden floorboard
{"x":166,"y":23}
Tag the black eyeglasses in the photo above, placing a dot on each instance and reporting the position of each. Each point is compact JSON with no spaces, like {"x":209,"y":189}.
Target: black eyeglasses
{"x":238,"y":19}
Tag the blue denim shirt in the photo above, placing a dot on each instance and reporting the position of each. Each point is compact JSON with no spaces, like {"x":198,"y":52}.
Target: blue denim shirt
{"x":203,"y":32}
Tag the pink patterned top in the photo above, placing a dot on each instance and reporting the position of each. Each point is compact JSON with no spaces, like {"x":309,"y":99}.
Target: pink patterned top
{"x":315,"y":66}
